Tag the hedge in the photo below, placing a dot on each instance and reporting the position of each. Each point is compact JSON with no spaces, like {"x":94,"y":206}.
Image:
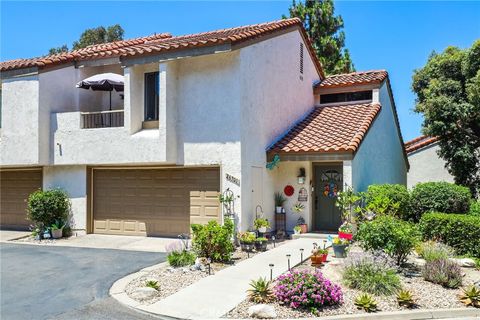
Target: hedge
{"x":438,"y":197}
{"x":475,"y":208}
{"x":395,"y":194}
{"x":460,"y":231}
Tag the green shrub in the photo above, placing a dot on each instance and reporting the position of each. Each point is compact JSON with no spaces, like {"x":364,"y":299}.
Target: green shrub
{"x":460,"y":231}
{"x":475,"y":208}
{"x":443,"y":272}
{"x":432,"y":250}
{"x":395,"y":237}
{"x":371,"y":273}
{"x":213,"y":241}
{"x":438,"y":197}
{"x":390,"y":199}
{"x":47,"y":207}
{"x":181,"y":258}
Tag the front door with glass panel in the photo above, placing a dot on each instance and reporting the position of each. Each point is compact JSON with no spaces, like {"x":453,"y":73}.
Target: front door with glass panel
{"x":328,"y":182}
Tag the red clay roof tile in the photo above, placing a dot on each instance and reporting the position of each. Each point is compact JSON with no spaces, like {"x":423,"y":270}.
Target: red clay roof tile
{"x":329,"y":129}
{"x":354,"y":78}
{"x":419,"y":142}
{"x":165,"y":42}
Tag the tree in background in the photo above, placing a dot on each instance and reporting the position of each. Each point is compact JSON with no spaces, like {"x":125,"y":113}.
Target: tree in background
{"x":324,"y":30}
{"x":93,"y":36}
{"x":448,"y":97}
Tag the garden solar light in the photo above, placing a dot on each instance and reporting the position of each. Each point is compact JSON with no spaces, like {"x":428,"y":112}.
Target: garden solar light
{"x":301,"y":255}
{"x":273,"y":239}
{"x":288,"y":259}
{"x":271,"y":271}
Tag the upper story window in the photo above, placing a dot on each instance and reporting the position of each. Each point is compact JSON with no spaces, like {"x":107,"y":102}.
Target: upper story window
{"x":346,"y":96}
{"x":152,"y":89}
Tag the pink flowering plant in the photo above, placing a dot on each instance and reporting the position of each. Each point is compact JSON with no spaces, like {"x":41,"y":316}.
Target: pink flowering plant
{"x":307,"y":289}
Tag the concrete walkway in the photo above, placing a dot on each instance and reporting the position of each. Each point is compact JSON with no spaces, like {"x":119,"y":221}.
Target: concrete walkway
{"x":8,"y":235}
{"x":214,"y":296}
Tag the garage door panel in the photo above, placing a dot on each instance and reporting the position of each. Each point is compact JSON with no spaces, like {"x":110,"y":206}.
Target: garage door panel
{"x":160,"y":202}
{"x":15,"y":187}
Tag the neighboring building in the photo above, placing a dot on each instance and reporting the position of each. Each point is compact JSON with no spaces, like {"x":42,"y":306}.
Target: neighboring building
{"x":201,"y":114}
{"x":425,"y":164}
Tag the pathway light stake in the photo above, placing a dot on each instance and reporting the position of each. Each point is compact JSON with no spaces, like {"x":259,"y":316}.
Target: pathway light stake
{"x":209,"y":266}
{"x":288,"y":258}
{"x":273,"y":238}
{"x":301,"y":255}
{"x":271,"y":271}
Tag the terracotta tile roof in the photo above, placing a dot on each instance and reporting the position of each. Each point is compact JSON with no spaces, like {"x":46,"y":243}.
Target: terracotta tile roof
{"x":329,"y":129}
{"x":355,"y":78}
{"x":419,"y":142}
{"x":166,"y":43}
{"x":99,"y":49}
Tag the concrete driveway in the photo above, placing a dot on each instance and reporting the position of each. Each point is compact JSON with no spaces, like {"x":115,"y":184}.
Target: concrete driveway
{"x":53,"y":282}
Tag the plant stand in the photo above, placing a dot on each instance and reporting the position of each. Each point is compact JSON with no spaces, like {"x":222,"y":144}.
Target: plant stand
{"x":280,"y":222}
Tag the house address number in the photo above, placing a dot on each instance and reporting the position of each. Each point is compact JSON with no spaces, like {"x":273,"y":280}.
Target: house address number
{"x":232,"y":179}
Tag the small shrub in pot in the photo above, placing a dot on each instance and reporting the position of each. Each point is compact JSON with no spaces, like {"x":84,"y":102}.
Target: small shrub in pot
{"x":261,"y":244}
{"x":47,"y":207}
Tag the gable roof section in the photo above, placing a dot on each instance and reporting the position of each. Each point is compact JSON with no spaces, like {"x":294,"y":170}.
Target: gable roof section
{"x":165,"y":42}
{"x":354,"y":78}
{"x":329,"y":129}
{"x":419,"y":143}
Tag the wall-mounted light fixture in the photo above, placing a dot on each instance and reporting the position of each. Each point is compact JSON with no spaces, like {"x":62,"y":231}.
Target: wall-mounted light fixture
{"x":301,"y":176}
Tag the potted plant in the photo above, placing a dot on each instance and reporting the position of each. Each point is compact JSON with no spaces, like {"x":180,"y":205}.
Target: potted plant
{"x":297,"y":229}
{"x":298,"y":208}
{"x":279,"y":201}
{"x":57,"y":229}
{"x":340,"y":247}
{"x":318,"y":255}
{"x":261,"y":244}
{"x":345,"y":231}
{"x":247,"y":240}
{"x":261,"y":225}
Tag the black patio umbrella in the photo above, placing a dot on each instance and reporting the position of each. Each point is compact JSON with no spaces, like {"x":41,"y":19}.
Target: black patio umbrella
{"x":103,"y":82}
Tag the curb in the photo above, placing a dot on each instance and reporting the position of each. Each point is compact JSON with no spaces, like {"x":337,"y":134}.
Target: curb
{"x":117,"y":291}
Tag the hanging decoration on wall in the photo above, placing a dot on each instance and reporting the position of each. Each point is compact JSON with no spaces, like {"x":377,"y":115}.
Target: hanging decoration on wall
{"x":274,"y":163}
{"x":331,"y":178}
{"x":288,"y":190}
{"x":302,"y":195}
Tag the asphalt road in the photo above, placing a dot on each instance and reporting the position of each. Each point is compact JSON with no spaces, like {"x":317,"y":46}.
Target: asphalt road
{"x":47,"y":282}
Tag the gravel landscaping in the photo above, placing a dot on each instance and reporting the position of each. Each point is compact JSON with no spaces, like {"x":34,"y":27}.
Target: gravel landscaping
{"x":170,"y":280}
{"x":427,"y":295}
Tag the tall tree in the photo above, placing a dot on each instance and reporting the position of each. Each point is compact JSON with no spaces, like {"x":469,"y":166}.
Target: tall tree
{"x":93,"y":36}
{"x":325,"y":31}
{"x":448,"y":97}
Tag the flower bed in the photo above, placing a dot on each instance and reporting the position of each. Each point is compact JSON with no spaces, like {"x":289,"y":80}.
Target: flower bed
{"x":427,"y":295}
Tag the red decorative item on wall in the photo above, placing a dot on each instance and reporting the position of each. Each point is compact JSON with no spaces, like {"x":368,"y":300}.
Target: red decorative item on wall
{"x":288,"y":190}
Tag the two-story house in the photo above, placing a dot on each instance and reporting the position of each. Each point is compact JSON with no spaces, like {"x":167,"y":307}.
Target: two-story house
{"x":240,"y":110}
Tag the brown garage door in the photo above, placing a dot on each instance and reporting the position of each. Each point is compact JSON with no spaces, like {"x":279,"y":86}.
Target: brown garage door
{"x":157,"y":202}
{"x":15,"y":187}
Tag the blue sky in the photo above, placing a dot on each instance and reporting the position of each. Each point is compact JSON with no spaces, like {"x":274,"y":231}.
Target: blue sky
{"x":397,"y":36}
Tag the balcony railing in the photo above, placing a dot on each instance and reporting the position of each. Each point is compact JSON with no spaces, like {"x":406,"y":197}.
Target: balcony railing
{"x":102,"y":119}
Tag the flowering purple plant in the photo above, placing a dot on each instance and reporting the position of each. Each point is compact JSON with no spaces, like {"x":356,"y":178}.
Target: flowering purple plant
{"x":307,"y":289}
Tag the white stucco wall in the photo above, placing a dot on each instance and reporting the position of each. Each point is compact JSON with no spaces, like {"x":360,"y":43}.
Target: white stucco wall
{"x":273,"y":98}
{"x":73,"y":180}
{"x":426,"y":166}
{"x":380,"y":158}
{"x":19,"y":143}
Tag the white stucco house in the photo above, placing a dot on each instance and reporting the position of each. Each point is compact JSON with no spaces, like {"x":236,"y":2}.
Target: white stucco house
{"x":425,"y":164}
{"x":240,"y":110}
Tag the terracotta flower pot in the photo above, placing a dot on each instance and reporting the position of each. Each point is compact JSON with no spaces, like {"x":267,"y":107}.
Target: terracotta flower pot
{"x":303,"y":228}
{"x":57,"y":233}
{"x":319,"y":259}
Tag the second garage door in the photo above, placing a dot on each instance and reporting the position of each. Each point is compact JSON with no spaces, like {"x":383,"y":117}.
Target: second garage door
{"x":154,"y":202}
{"x":15,"y":187}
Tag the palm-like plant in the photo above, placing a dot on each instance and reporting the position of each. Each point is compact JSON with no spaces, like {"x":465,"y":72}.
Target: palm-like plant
{"x":471,"y":296}
{"x":405,"y":298}
{"x":260,"y":291}
{"x":366,"y":302}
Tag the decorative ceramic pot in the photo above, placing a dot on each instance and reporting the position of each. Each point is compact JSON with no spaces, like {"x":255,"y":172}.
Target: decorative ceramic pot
{"x":343,"y":235}
{"x":261,"y":245}
{"x":340,"y":250}
{"x":303,"y":228}
{"x":319,"y":259}
{"x":278,"y":209}
{"x":57,"y":234}
{"x":262,"y":229}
